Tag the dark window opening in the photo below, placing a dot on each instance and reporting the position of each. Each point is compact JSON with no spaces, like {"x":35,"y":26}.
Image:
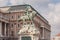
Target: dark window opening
{"x":18,"y":16}
{"x":31,"y":22}
{"x":12,"y":16}
{"x":12,"y":33}
{"x":12,"y":25}
{"x":18,"y":25}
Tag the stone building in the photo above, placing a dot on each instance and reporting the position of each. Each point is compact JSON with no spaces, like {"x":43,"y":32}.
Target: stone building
{"x":23,"y":22}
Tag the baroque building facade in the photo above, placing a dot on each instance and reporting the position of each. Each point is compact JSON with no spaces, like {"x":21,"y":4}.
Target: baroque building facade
{"x":23,"y":22}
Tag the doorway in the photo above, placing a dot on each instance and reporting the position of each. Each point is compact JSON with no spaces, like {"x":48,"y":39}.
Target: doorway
{"x":26,"y":38}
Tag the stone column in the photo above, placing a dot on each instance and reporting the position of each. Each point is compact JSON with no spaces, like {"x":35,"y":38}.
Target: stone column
{"x":0,"y":28}
{"x":42,"y":32}
{"x":5,"y":29}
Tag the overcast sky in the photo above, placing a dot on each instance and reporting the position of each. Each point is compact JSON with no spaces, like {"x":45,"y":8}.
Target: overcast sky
{"x":49,"y":9}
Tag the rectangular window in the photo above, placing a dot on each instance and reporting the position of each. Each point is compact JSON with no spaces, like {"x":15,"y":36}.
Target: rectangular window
{"x":12,"y":25}
{"x":12,"y":17}
{"x":18,"y":25}
{"x":12,"y":33}
{"x":18,"y":16}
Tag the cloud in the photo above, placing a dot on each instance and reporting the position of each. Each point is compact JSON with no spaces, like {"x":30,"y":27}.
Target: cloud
{"x":16,"y":2}
{"x":54,"y":17}
{"x":3,"y":2}
{"x":13,"y":2}
{"x":37,"y":1}
{"x":54,"y":12}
